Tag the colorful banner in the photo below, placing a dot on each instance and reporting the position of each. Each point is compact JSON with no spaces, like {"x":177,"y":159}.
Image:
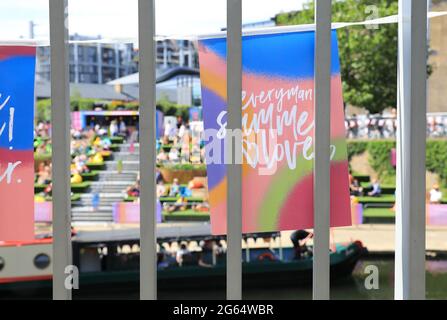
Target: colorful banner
{"x":129,"y":212}
{"x":277,"y":124}
{"x":17,"y":66}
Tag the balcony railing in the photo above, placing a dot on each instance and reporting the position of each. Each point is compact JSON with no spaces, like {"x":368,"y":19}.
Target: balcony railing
{"x":411,"y":133}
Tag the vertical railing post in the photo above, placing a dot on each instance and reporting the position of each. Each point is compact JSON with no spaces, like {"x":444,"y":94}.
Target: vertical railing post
{"x":234,"y":169}
{"x":60,"y":132}
{"x":322,"y":111}
{"x":410,"y":214}
{"x":148,"y":239}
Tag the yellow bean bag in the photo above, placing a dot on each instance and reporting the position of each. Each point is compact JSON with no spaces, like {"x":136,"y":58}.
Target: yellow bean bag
{"x":97,"y":158}
{"x":77,"y":178}
{"x":105,"y":153}
{"x":38,"y":198}
{"x":97,"y":141}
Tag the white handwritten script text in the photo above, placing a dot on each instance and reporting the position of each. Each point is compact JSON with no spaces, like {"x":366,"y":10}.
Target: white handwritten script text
{"x":7,"y":128}
{"x":276,"y":128}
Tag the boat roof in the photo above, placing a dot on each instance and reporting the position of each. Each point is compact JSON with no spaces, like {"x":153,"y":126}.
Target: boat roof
{"x":165,"y":232}
{"x":191,"y":231}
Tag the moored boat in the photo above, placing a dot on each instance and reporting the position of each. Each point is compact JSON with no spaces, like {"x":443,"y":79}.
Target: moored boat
{"x":111,"y":259}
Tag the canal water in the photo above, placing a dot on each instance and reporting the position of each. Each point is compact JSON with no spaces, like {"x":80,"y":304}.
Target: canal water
{"x":349,"y":288}
{"x":346,"y":289}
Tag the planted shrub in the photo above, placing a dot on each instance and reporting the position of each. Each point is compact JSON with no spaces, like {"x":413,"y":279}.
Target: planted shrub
{"x":356,"y":148}
{"x":380,"y":157}
{"x":380,"y":151}
{"x":436,"y":159}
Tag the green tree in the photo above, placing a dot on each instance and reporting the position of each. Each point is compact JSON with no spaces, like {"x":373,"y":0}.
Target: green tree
{"x":368,"y":56}
{"x":172,"y":109}
{"x":43,"y":110}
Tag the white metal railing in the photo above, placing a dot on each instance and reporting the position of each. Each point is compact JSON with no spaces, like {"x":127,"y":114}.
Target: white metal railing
{"x":234,"y":170}
{"x":410,"y":184}
{"x":410,"y":224}
{"x":148,"y":241}
{"x":60,"y":117}
{"x":322,"y":136}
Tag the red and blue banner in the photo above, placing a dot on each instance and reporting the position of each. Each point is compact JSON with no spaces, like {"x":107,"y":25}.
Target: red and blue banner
{"x":17,"y":67}
{"x":277,"y":132}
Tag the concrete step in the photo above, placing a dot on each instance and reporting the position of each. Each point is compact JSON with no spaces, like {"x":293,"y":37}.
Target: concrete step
{"x":109,"y":183}
{"x":117,"y":177}
{"x":112,"y":180}
{"x":124,"y":174}
{"x":116,"y":172}
{"x":103,"y":214}
{"x":127,"y":165}
{"x":125,"y":147}
{"x":124,"y":162}
{"x":102,"y":202}
{"x":126,"y":156}
{"x":95,"y":219}
{"x":111,"y":188}
{"x":90,"y":209}
{"x":93,"y":216}
{"x":103,"y":195}
{"x":117,"y":188}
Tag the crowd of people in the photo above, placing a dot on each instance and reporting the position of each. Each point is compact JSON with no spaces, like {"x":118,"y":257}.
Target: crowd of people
{"x":181,"y":194}
{"x":371,"y":126}
{"x":180,"y":144}
{"x":374,"y":189}
{"x":209,"y":252}
{"x":437,"y":125}
{"x":356,"y":189}
{"x":384,"y":126}
{"x":89,"y":146}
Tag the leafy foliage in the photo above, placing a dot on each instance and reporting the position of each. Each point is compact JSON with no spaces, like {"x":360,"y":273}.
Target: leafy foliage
{"x":368,"y":56}
{"x":43,"y":110}
{"x":356,"y":148}
{"x":43,"y":107}
{"x":380,"y":157}
{"x":171,"y":109}
{"x":380,"y":150}
{"x":436,"y":160}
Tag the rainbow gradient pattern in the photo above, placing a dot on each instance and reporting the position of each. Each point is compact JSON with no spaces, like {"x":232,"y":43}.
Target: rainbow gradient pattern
{"x":17,"y":68}
{"x":278,"y":70}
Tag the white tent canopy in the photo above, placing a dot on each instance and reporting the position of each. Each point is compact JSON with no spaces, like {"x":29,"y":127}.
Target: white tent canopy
{"x":162,"y":76}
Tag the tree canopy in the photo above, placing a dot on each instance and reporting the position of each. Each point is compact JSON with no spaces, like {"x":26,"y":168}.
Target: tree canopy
{"x":368,"y":56}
